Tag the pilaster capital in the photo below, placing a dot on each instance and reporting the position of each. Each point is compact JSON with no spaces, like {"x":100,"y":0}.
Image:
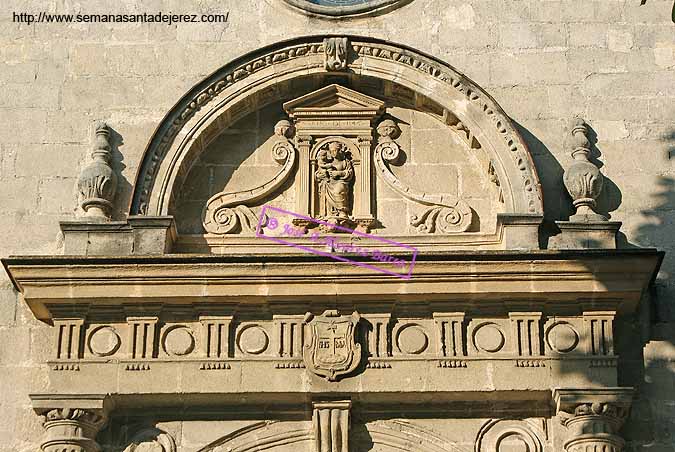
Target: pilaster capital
{"x":72,"y":422}
{"x":593,"y":417}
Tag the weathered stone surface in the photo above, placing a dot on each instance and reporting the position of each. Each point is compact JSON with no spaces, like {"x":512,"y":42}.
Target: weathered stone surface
{"x":611,"y":61}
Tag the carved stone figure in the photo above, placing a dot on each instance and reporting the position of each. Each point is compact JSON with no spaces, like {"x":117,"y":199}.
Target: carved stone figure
{"x":335,"y":54}
{"x":97,"y":182}
{"x":335,"y":175}
{"x":332,"y":350}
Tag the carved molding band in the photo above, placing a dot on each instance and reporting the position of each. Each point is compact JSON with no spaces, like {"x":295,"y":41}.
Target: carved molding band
{"x":448,"y":214}
{"x":225,"y":212}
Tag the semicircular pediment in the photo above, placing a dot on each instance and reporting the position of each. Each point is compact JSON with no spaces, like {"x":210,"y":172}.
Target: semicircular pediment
{"x":462,"y":162}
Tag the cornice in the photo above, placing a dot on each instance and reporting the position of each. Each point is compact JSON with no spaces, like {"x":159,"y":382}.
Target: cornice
{"x":616,"y":278}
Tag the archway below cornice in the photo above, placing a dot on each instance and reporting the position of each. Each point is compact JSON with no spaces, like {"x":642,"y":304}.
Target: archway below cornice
{"x":261,"y":77}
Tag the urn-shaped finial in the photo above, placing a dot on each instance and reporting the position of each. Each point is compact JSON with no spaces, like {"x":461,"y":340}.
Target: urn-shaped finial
{"x":583,"y":179}
{"x":97,"y":182}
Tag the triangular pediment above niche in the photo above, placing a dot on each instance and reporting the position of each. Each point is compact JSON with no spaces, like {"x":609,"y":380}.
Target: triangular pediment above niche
{"x":335,"y":98}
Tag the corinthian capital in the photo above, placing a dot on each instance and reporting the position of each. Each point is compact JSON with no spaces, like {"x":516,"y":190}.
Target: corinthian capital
{"x":593,"y":417}
{"x":71,"y":423}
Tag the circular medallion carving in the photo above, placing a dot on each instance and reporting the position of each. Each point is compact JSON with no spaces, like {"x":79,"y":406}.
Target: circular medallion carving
{"x":412,"y":339}
{"x":488,"y":338}
{"x":562,"y":337}
{"x":104,"y":341}
{"x":179,"y":341}
{"x":339,"y":8}
{"x":253,"y":340}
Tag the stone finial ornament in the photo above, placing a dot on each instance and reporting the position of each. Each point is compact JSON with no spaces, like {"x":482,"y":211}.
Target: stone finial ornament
{"x":97,"y":182}
{"x":583,"y":179}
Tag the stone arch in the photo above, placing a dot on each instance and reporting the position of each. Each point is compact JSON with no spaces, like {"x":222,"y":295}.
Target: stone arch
{"x":264,"y":76}
{"x":397,"y":435}
{"x":262,"y":436}
{"x":495,"y":433}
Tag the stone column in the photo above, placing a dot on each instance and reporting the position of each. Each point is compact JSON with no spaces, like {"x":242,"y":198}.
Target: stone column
{"x":71,"y":424}
{"x":593,"y":417}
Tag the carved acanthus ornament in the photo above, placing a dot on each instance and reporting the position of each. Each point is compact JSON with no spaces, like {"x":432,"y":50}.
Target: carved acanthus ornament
{"x":228,"y":212}
{"x":446,"y":215}
{"x":583,"y":179}
{"x":593,"y":417}
{"x":97,"y":182}
{"x":72,"y":429}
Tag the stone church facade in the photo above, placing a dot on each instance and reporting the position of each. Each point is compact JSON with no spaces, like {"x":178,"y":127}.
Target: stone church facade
{"x":431,"y":226}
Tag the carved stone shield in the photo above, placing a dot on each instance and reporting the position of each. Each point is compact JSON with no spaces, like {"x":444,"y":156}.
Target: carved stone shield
{"x":332,"y":350}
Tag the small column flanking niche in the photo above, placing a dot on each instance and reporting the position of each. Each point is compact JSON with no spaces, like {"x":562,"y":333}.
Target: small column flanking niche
{"x":334,"y":136}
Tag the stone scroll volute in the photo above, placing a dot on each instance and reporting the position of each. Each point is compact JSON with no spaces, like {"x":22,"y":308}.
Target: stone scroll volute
{"x":229,"y":212}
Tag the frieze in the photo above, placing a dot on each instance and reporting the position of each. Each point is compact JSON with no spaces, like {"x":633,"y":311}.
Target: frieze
{"x":446,"y":340}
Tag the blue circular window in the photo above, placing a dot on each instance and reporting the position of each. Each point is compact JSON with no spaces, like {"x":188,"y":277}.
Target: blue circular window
{"x":336,"y":8}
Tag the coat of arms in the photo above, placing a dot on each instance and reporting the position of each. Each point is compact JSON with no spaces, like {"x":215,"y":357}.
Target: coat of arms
{"x":332,"y":350}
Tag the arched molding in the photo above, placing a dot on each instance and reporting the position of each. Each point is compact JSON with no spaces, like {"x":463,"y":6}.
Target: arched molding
{"x":396,"y":434}
{"x":407,"y":436}
{"x":495,"y":431}
{"x":264,"y":76}
{"x":152,"y":439}
{"x":262,"y":436}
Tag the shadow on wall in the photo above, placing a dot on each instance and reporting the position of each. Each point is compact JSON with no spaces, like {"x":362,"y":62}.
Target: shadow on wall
{"x":124,"y":187}
{"x":557,"y":202}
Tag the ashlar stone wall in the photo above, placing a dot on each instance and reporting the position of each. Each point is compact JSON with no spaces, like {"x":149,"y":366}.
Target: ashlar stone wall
{"x":610,"y":61}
